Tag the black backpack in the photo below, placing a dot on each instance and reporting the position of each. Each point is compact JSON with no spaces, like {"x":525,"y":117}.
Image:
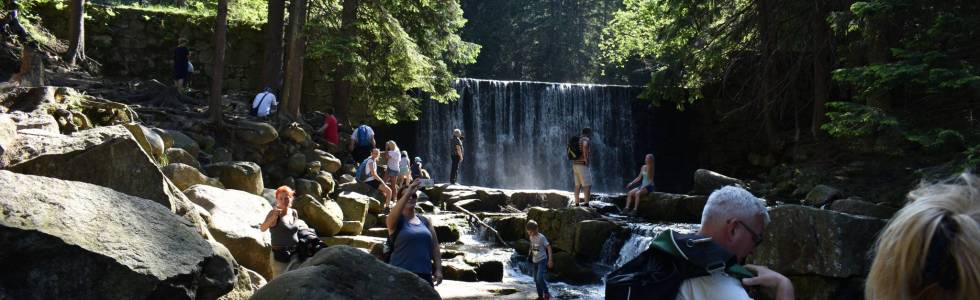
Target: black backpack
{"x":390,"y":242}
{"x":658,"y":272}
{"x":574,"y":148}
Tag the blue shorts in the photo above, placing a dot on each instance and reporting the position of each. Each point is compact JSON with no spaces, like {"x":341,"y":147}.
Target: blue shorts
{"x":392,"y":173}
{"x":649,"y":188}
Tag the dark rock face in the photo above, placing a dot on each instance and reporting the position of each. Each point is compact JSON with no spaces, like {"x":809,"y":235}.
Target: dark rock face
{"x":75,"y":240}
{"x":446,"y":233}
{"x":707,"y":181}
{"x":589,"y":237}
{"x":665,"y":207}
{"x":559,"y":225}
{"x":803,"y":240}
{"x":342,"y":272}
{"x":821,"y":194}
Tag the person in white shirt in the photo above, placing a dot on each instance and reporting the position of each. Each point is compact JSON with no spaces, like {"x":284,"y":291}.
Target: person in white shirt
{"x":263,"y":103}
{"x":734,"y":219}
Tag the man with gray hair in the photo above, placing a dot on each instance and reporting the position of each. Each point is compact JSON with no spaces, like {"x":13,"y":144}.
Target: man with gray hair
{"x":735,"y":220}
{"x":706,"y":265}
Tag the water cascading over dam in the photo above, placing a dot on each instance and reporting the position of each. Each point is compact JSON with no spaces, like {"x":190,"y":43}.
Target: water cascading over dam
{"x":516,"y":133}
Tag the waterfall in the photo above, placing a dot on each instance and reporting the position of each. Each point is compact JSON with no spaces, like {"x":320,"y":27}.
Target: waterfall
{"x":516,"y":133}
{"x":618,"y":250}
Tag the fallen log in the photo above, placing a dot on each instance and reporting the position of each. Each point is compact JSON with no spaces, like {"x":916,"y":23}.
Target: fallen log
{"x":478,"y":221}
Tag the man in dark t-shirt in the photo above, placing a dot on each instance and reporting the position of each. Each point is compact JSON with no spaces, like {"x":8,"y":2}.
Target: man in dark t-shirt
{"x":456,"y":154}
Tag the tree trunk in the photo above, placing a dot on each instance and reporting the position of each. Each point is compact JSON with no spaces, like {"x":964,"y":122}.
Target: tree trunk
{"x":217,"y":75}
{"x":272,"y":68}
{"x":292,"y":93}
{"x":767,"y":56}
{"x":342,"y":86}
{"x":821,"y":66}
{"x":76,"y":47}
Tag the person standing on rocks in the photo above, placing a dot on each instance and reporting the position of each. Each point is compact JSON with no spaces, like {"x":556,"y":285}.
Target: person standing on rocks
{"x":540,"y":259}
{"x":361,"y":141}
{"x":263,"y":102}
{"x":181,"y":64}
{"x":415,"y":243}
{"x":456,"y":154}
{"x":329,"y":129}
{"x":404,"y":174}
{"x":580,"y":167}
{"x":393,"y":157}
{"x":283,"y":222}
{"x":929,"y":249}
{"x":374,"y":180}
{"x":646,"y":185}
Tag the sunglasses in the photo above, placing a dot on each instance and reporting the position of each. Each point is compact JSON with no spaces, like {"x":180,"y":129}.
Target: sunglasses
{"x":757,"y":238}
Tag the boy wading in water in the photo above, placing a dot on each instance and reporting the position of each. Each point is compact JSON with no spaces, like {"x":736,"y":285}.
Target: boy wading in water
{"x":540,"y":259}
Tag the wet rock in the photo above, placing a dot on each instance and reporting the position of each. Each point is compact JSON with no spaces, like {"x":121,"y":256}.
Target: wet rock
{"x":446,"y":233}
{"x":239,"y":175}
{"x":492,"y":271}
{"x":327,"y":275}
{"x":235,"y":220}
{"x":477,"y":205}
{"x":355,"y":207}
{"x":707,"y":181}
{"x":559,"y":225}
{"x":185,"y":142}
{"x":522,"y":246}
{"x":456,"y":269}
{"x":492,"y":198}
{"x":589,"y":238}
{"x":184,"y":176}
{"x":450,"y":254}
{"x":308,"y":187}
{"x":821,"y":195}
{"x":511,"y":228}
{"x":547,"y":199}
{"x":426,"y":206}
{"x":326,"y":182}
{"x":246,"y":283}
{"x":603,"y":207}
{"x":863,"y":208}
{"x":177,"y":155}
{"x":569,"y":270}
{"x":666,"y":207}
{"x":325,"y":217}
{"x":136,"y":250}
{"x":452,"y":197}
{"x":803,"y":240}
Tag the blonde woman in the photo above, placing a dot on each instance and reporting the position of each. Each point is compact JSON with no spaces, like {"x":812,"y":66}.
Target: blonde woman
{"x":931,"y":248}
{"x":394,"y":156}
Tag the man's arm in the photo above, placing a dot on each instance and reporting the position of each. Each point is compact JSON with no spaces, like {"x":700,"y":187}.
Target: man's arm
{"x":585,"y":152}
{"x":459,"y":152}
{"x":770,"y":279}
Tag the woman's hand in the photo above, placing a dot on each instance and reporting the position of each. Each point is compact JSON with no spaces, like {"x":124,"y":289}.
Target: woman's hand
{"x":437,"y":277}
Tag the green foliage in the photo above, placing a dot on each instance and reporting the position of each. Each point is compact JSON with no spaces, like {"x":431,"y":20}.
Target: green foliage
{"x":399,"y":46}
{"x":852,"y":120}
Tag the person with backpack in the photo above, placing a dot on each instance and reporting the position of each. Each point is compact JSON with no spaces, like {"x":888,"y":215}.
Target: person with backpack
{"x":578,"y":153}
{"x":645,"y":179}
{"x":283,"y":223}
{"x":367,"y":172}
{"x":413,"y":244}
{"x":541,"y":261}
{"x":706,"y":265}
{"x":417,"y":170}
{"x":263,"y":103}
{"x":361,"y":141}
{"x":456,"y":154}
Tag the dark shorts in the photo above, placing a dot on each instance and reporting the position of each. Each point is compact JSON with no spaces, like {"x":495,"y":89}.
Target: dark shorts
{"x":649,"y":188}
{"x":374,"y":184}
{"x":425,"y":276}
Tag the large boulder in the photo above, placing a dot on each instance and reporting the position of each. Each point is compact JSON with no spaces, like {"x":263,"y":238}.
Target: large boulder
{"x":863,"y":208}
{"x":184,"y":176}
{"x":366,"y":243}
{"x":326,"y":182}
{"x":510,"y":228}
{"x":559,"y":225}
{"x":105,"y":156}
{"x":477,"y":205}
{"x":177,"y":155}
{"x":547,"y":199}
{"x":296,"y":164}
{"x":355,"y":207}
{"x":8,"y":135}
{"x":342,"y":272}
{"x":821,"y":194}
{"x":707,"y":181}
{"x":74,"y":240}
{"x":360,"y":188}
{"x":308,"y":187}
{"x":149,"y":140}
{"x":325,"y":217}
{"x":803,"y":240}
{"x":235,"y":220}
{"x":239,"y":175}
{"x":256,"y":133}
{"x":328,"y":162}
{"x":666,"y":207}
{"x":588,"y":235}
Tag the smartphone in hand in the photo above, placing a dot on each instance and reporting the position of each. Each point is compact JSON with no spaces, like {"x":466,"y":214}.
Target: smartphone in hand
{"x":426,"y":183}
